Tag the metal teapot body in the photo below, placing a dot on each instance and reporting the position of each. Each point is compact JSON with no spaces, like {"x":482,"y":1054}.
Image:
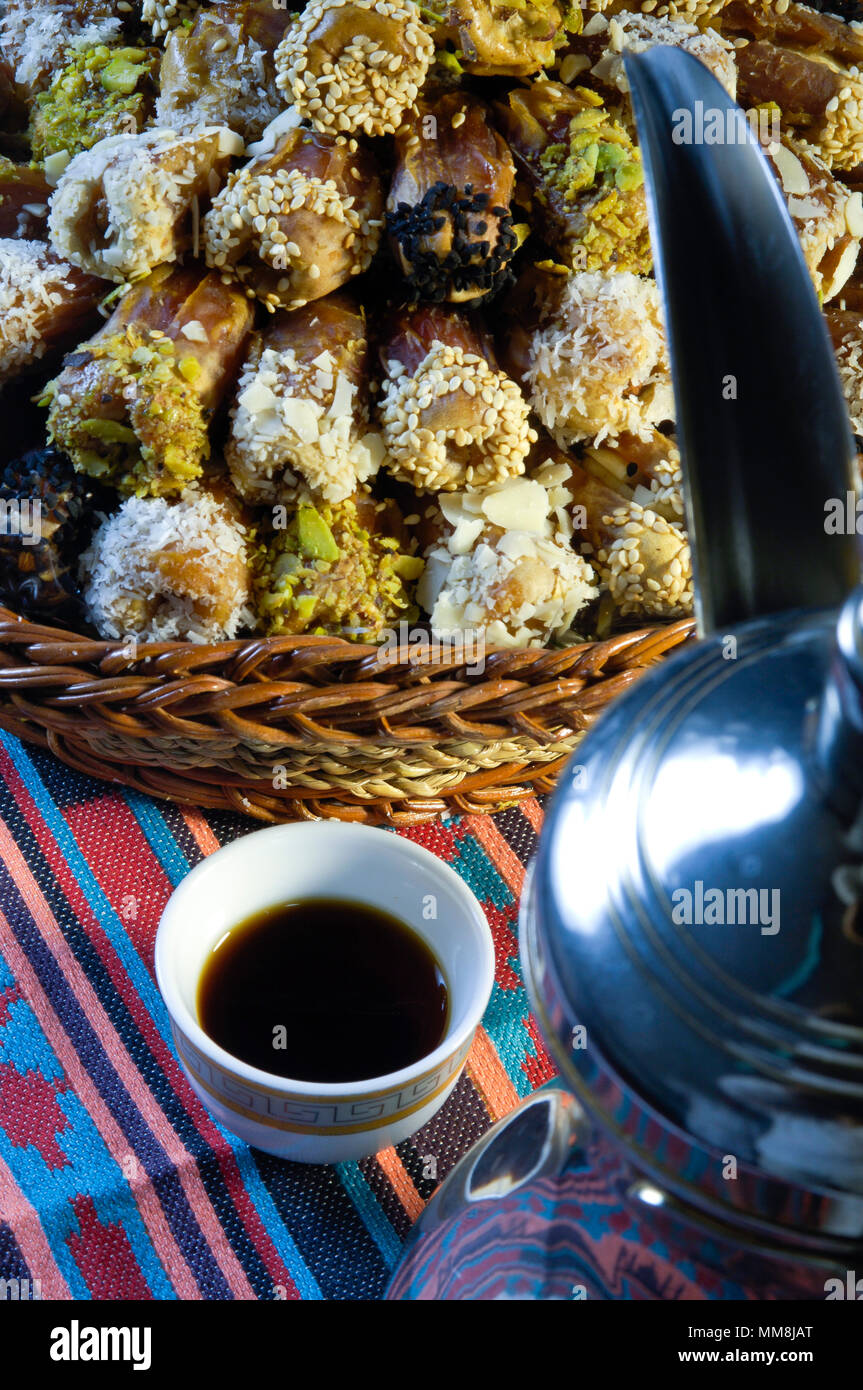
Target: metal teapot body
{"x":705,"y":1138}
{"x":691,"y":932}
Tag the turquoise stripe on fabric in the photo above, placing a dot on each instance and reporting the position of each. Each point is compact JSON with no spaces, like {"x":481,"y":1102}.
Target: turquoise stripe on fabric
{"x":143,"y":982}
{"x":375,"y":1220}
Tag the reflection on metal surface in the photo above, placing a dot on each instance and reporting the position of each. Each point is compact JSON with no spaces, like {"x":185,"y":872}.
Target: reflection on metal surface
{"x":720,"y":1053}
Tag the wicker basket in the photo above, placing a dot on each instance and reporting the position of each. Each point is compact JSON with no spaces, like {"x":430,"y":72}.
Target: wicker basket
{"x":286,"y":728}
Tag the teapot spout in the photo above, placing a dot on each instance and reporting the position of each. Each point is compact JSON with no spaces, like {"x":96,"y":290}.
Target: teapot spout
{"x":762,"y":424}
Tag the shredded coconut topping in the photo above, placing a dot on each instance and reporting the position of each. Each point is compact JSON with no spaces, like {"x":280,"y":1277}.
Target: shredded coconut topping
{"x":635,"y":33}
{"x":121,"y":208}
{"x":168,"y":570}
{"x":599,"y":363}
{"x":33,"y":286}
{"x":36,"y":37}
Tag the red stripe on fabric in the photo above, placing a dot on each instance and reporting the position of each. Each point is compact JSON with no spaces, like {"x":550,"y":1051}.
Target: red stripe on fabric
{"x":503,"y":924}
{"x":441,"y":837}
{"x":540,"y":1068}
{"x":141,"y":1188}
{"x":125,"y":1070}
{"x":23,"y":1221}
{"x":124,"y":863}
{"x":137,"y":852}
{"x":502,"y":921}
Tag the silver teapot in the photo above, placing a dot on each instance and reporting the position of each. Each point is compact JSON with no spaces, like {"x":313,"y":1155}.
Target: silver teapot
{"x":691,"y":932}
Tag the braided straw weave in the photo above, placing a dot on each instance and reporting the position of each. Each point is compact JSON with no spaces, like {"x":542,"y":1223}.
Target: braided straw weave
{"x":287,"y":728}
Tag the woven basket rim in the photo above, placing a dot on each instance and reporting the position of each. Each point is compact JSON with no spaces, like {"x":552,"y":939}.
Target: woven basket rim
{"x":393,"y":741}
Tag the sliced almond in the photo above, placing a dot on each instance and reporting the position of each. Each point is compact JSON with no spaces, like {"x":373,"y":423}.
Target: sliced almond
{"x":195,"y":331}
{"x":452,"y":505}
{"x":517,"y":545}
{"x":521,"y":505}
{"x":842,"y":273}
{"x":463,"y":538}
{"x":804,"y":209}
{"x":792,"y":175}
{"x":854,"y":214}
{"x":597,"y":25}
{"x":257,"y":398}
{"x":343,"y":397}
{"x":230,"y":142}
{"x":54,"y":166}
{"x":302,"y":417}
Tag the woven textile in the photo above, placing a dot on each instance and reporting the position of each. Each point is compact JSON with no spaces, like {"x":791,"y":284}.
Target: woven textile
{"x":114,"y":1181}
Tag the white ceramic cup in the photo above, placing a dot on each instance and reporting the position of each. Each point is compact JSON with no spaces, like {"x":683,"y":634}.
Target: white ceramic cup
{"x":311,"y":1121}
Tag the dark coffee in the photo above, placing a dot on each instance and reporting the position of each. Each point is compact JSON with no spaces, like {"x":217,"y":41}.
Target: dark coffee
{"x":324,"y":990}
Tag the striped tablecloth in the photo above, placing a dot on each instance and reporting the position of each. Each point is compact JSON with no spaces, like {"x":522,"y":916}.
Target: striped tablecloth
{"x":114,"y":1181}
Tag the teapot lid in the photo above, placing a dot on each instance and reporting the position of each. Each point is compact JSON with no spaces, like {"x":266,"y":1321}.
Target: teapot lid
{"x":694,"y":906}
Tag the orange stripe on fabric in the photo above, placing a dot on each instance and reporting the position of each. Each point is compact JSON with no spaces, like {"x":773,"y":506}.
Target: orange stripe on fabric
{"x":501,"y":854}
{"x":201,"y":831}
{"x":162,"y":1053}
{"x":23,"y":1221}
{"x":394,"y":1170}
{"x":532,"y":811}
{"x":488,"y":1075}
{"x":127,"y":1072}
{"x":146,"y":1200}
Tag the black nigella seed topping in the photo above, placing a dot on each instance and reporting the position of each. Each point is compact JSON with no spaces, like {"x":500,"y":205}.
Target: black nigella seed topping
{"x":469,"y":264}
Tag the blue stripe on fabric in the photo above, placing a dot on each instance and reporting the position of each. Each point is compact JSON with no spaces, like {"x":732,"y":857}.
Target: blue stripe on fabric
{"x":374,"y":1218}
{"x":158,"y":836}
{"x":504,"y":1026}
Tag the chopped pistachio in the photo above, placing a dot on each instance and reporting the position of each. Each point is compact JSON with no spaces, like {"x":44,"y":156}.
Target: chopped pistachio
{"x":314,"y":536}
{"x":356,"y":592}
{"x":160,"y":445}
{"x":111,"y":431}
{"x":573,"y":19}
{"x":408,"y":566}
{"x":100,"y":92}
{"x":305,"y":607}
{"x":190,"y":368}
{"x":121,"y":76}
